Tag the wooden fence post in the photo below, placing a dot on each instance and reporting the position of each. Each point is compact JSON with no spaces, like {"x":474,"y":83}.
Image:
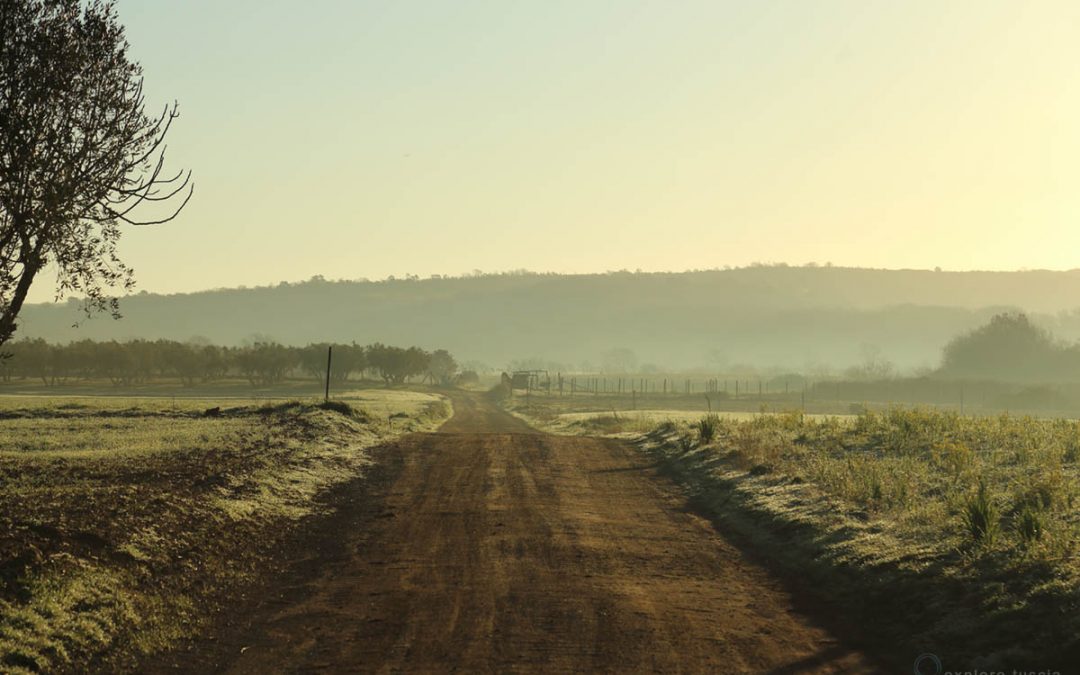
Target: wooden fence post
{"x":329,"y":359}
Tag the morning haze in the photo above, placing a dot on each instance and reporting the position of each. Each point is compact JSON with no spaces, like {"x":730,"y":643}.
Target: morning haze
{"x":544,"y":336}
{"x":368,"y":139}
{"x":793,"y":319}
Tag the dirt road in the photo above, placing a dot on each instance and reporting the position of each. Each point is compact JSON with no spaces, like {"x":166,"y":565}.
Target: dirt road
{"x":489,"y":547}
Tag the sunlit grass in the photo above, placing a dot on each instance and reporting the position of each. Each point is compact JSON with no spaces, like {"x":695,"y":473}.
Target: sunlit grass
{"x":114,"y":439}
{"x":629,"y":421}
{"x":922,"y":503}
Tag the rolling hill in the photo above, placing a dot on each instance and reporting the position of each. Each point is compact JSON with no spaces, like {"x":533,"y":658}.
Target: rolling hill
{"x":793,"y":317}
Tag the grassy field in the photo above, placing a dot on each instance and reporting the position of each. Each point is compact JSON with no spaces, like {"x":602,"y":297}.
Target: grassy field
{"x":633,"y":421}
{"x":126,"y":522}
{"x":954,"y":535}
{"x":171,"y":388}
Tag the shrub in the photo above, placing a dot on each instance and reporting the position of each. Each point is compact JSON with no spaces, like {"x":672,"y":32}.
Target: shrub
{"x":981,"y":516}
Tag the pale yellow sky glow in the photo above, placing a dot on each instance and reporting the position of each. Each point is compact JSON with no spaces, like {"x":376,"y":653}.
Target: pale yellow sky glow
{"x":363,"y":139}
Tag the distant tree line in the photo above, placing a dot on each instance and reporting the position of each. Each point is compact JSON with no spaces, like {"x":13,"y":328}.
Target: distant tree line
{"x":261,"y":363}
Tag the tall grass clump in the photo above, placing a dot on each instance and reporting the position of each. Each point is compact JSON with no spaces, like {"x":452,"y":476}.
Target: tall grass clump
{"x":707,"y":427}
{"x":1030,"y":524}
{"x":981,"y":516}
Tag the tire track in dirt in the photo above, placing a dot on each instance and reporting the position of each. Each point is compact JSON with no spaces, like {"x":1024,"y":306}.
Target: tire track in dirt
{"x":490,"y":547}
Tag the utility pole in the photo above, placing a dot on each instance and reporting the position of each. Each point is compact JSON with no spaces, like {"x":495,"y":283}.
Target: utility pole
{"x":329,"y":359}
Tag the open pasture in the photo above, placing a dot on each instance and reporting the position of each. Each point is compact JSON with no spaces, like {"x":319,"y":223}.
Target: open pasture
{"x":634,"y":421}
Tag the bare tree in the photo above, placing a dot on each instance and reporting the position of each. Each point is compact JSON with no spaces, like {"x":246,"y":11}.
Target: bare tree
{"x":78,"y":152}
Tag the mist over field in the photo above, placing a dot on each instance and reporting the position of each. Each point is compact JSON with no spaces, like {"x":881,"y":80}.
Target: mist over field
{"x":799,"y":318}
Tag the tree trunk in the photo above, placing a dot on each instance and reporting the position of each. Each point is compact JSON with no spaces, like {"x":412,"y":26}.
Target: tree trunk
{"x":31,"y":265}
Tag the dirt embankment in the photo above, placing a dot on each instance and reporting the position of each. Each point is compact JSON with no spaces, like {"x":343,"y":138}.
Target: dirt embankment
{"x":490,"y":547}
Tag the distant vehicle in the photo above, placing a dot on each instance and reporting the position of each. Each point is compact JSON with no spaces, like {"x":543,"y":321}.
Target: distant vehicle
{"x":527,"y":380}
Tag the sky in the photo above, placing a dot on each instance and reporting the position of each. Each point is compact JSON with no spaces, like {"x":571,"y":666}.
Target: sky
{"x":362,"y":139}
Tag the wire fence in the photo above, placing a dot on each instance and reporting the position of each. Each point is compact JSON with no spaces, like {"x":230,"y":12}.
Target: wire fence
{"x":707,"y":393}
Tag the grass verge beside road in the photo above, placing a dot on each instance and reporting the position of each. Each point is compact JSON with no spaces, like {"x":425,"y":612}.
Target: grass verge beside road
{"x":932,"y":532}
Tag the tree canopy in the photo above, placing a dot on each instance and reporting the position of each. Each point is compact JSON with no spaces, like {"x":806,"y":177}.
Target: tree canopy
{"x":79,"y":154}
{"x":1010,"y":347}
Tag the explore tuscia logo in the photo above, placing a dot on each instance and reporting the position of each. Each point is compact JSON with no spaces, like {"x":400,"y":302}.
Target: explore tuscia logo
{"x":930,"y":664}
